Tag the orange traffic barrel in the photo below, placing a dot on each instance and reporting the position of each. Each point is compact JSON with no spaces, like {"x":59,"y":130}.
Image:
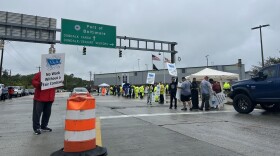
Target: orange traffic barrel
{"x":80,"y":135}
{"x":80,"y":124}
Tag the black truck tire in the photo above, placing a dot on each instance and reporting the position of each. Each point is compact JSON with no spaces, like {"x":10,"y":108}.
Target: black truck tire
{"x":270,"y":107}
{"x":243,"y":104}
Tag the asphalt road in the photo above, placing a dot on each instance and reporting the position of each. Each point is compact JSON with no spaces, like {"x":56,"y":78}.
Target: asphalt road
{"x":131,"y":128}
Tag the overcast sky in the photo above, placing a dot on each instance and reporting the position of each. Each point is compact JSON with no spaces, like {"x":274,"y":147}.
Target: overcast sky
{"x":218,"y":28}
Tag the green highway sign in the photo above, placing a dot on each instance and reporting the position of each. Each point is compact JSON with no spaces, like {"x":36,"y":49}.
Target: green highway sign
{"x":87,"y":34}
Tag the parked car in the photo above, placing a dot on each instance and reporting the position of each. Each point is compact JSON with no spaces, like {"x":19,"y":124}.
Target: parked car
{"x":10,"y":91}
{"x":18,"y":91}
{"x":25,"y":92}
{"x":4,"y":92}
{"x":79,"y":90}
{"x":31,"y":91}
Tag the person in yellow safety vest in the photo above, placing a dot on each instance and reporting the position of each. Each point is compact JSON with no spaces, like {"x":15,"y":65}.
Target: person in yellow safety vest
{"x":121,"y":91}
{"x":161,"y":98}
{"x":142,"y":90}
{"x":111,"y":90}
{"x":155,"y":93}
{"x":136,"y":89}
{"x":226,"y":88}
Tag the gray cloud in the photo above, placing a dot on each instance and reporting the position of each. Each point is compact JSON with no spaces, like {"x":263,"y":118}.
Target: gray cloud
{"x":218,"y":28}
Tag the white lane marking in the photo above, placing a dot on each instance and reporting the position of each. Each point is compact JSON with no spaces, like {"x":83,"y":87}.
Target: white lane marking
{"x":161,"y":114}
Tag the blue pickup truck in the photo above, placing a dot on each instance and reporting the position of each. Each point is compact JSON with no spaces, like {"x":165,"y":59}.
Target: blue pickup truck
{"x":263,"y":89}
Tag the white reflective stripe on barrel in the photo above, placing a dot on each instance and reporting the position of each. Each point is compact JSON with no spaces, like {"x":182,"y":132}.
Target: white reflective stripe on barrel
{"x":80,"y":114}
{"x":79,"y":135}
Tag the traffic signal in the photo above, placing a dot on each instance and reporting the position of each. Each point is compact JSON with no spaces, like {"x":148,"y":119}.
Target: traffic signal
{"x":120,"y":53}
{"x":84,"y":50}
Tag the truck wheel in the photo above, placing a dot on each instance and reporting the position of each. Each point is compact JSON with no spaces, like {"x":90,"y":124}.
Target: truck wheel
{"x":243,"y":104}
{"x":270,"y":107}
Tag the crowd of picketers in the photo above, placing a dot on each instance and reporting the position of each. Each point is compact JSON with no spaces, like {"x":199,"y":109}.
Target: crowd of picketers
{"x":184,"y":91}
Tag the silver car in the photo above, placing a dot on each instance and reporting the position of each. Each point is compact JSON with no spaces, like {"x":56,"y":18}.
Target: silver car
{"x":79,"y":90}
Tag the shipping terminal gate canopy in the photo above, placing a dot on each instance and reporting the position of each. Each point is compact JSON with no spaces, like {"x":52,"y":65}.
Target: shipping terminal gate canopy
{"x":214,"y":74}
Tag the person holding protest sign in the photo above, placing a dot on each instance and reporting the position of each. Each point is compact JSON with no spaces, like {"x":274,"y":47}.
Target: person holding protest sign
{"x":42,"y":103}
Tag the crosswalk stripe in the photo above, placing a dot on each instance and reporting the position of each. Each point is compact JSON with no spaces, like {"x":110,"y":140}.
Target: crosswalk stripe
{"x":163,"y":114}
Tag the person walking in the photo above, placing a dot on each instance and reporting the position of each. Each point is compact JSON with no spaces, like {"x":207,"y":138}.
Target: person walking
{"x":172,"y":91}
{"x":206,"y":91}
{"x":156,"y":92}
{"x":186,"y":93}
{"x":194,"y":92}
{"x":42,"y":103}
{"x":150,"y":94}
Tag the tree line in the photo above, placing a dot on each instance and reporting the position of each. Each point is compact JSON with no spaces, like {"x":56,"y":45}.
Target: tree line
{"x":70,"y":81}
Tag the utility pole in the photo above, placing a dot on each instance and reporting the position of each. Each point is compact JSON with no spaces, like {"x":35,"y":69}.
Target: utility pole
{"x":39,"y":68}
{"x":90,"y":74}
{"x":260,"y":27}
{"x":10,"y":72}
{"x":207,"y":59}
{"x":2,"y":55}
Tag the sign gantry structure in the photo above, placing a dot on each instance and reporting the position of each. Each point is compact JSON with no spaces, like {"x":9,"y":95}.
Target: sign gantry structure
{"x":36,"y":29}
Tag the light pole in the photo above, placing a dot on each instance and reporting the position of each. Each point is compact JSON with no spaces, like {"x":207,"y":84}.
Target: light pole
{"x":260,"y":27}
{"x":207,"y":59}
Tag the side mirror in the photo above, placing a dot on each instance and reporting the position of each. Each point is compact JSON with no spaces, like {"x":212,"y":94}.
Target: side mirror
{"x":260,"y":74}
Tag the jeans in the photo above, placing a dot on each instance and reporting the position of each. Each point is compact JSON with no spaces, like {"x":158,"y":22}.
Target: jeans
{"x":149,"y":98}
{"x":173,"y":96}
{"x":38,"y":109}
{"x":205,"y":100}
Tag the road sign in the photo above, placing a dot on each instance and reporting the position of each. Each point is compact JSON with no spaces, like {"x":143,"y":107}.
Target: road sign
{"x":87,"y":34}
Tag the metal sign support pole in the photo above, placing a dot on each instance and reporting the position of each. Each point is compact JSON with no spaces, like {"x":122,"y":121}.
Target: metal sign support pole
{"x":2,"y":55}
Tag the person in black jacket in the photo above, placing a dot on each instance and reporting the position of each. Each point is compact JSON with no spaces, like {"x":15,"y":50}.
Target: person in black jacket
{"x":194,"y":91}
{"x":172,"y":91}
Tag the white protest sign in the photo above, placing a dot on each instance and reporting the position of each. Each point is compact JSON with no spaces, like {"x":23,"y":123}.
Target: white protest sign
{"x":52,"y":70}
{"x":151,"y":78}
{"x":172,"y":69}
{"x":218,"y":99}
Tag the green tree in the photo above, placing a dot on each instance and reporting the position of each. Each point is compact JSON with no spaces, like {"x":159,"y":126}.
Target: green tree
{"x":267,"y":62}
{"x":25,"y":80}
